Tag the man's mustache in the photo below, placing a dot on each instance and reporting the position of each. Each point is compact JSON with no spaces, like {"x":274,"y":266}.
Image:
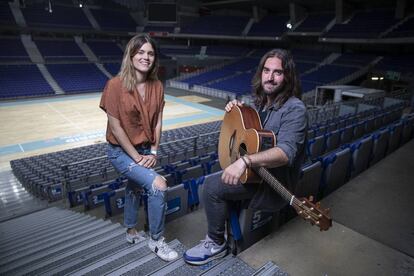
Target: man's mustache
{"x":271,"y":82}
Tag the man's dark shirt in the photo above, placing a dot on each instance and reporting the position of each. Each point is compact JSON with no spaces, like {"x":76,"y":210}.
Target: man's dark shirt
{"x":289,"y":123}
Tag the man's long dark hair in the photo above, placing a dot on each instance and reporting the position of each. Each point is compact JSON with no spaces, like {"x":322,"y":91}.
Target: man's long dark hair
{"x":291,"y":85}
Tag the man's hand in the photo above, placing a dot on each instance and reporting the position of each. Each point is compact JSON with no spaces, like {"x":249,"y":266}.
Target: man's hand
{"x":148,"y":161}
{"x":232,"y":103}
{"x":231,"y":175}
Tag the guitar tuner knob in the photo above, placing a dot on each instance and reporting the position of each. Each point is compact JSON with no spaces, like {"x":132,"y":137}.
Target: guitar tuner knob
{"x":317,"y":222}
{"x":311,"y":208}
{"x":320,"y":215}
{"x":308,"y":217}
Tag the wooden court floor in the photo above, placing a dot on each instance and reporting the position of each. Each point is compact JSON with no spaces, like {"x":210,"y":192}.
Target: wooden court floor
{"x":38,"y":126}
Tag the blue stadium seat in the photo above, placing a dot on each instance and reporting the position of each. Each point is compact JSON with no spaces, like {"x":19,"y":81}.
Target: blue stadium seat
{"x":333,"y":140}
{"x":395,"y":136}
{"x":361,"y":154}
{"x":380,"y":143}
{"x":335,"y":170}
{"x":309,"y":181}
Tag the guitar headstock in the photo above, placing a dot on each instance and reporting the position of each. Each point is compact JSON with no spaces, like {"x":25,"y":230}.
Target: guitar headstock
{"x":313,"y":213}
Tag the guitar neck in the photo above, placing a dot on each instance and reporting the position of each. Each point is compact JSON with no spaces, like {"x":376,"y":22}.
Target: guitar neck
{"x":274,"y":183}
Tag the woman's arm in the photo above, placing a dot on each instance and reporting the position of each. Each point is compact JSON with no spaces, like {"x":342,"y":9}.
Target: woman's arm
{"x":123,"y":139}
{"x":157,"y":133}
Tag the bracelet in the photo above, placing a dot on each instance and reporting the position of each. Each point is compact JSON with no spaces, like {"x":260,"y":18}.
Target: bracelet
{"x":154,"y":152}
{"x":250,"y":160}
{"x":245,"y":162}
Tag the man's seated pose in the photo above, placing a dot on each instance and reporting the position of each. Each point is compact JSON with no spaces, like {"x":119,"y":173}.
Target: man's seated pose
{"x":276,"y":92}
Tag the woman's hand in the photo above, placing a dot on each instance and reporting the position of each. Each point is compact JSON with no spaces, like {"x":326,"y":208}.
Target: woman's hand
{"x":147,"y":161}
{"x":232,"y":103}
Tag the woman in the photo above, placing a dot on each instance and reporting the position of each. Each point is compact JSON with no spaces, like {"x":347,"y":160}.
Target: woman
{"x":133,"y":102}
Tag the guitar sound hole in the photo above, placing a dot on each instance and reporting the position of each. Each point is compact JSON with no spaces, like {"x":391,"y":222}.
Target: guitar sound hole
{"x":243,"y":149}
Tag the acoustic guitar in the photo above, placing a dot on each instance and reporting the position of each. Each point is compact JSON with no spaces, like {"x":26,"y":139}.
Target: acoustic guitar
{"x":242,"y":133}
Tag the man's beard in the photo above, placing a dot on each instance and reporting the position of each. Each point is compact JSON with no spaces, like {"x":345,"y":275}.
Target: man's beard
{"x":275,"y":90}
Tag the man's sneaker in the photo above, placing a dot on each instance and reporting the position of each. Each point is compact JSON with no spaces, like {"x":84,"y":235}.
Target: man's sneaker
{"x":162,"y":249}
{"x":205,"y":252}
{"x":134,"y":238}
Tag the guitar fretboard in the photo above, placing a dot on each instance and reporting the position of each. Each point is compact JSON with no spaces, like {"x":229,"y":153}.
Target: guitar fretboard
{"x":272,"y":181}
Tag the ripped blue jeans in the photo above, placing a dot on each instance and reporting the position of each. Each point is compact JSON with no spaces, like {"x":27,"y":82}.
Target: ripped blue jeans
{"x":143,"y":178}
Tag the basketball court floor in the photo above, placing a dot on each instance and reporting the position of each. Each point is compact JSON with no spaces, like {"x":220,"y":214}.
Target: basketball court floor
{"x":38,"y":126}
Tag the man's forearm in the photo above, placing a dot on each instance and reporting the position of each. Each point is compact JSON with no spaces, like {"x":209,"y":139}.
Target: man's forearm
{"x":271,"y":158}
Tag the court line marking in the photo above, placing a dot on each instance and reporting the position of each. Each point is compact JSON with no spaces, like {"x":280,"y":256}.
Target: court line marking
{"x":207,"y":111}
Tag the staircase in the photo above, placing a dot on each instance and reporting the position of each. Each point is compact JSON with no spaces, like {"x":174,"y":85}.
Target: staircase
{"x":56,"y":241}
{"x":15,"y":200}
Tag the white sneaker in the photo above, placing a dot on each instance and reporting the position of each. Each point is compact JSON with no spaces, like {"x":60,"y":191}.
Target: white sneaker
{"x":134,"y":238}
{"x":162,"y":249}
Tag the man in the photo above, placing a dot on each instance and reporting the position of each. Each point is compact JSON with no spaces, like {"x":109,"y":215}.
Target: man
{"x":276,"y":93}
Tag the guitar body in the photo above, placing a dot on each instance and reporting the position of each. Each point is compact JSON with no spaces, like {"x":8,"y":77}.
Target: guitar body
{"x":242,"y":132}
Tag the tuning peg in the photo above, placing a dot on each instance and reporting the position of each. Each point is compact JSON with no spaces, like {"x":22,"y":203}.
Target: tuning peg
{"x":327,"y":211}
{"x":318,"y":204}
{"x":311,"y":198}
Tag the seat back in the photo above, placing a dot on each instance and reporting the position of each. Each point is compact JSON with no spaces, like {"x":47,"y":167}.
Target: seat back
{"x":335,"y":170}
{"x":361,"y":154}
{"x":177,"y":202}
{"x":309,"y":181}
{"x":395,"y":137}
{"x":379,"y":145}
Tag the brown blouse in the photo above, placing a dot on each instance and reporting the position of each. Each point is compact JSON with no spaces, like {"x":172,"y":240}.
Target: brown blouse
{"x":138,"y":117}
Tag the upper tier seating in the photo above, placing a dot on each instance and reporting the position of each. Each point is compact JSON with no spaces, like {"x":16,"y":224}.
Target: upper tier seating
{"x":217,"y":25}
{"x":364,"y":24}
{"x":315,"y":22}
{"x":6,"y":16}
{"x":359,"y":60}
{"x":402,"y":63}
{"x":105,"y":50}
{"x":75,"y":78}
{"x":305,"y":55}
{"x":12,"y":50}
{"x":22,"y":80}
{"x":61,"y":17}
{"x":58,"y":50}
{"x":112,"y":20}
{"x":328,"y":73}
{"x":406,"y":29}
{"x":270,"y":25}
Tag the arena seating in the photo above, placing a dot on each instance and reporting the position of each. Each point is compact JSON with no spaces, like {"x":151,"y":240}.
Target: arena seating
{"x":269,"y":26}
{"x":13,"y":51}
{"x":217,"y":25}
{"x":364,"y":24}
{"x":105,"y":50}
{"x":114,"y":20}
{"x":60,"y":50}
{"x":61,"y":17}
{"x":315,"y":22}
{"x":80,"y":77}
{"x":6,"y":16}
{"x":406,"y":29}
{"x":22,"y":81}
